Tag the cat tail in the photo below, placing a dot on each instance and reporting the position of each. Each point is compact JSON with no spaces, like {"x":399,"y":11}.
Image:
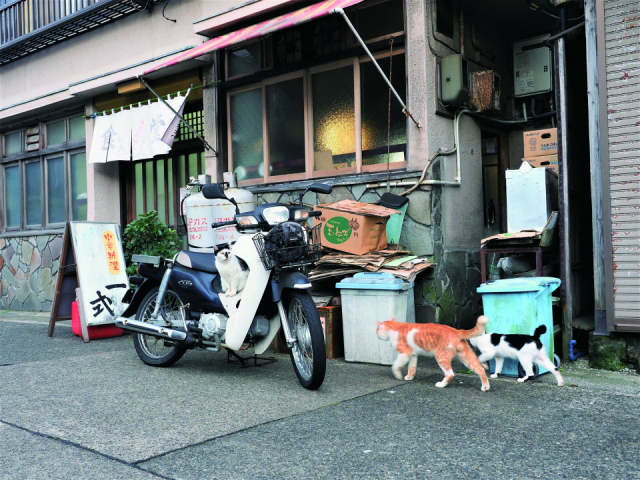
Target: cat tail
{"x":541,"y":330}
{"x":475,"y":331}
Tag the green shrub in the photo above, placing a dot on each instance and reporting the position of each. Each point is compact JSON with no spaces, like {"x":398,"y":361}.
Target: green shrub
{"x":148,"y":236}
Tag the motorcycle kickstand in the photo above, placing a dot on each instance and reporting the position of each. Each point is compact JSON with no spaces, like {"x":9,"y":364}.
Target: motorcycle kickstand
{"x":243,"y":361}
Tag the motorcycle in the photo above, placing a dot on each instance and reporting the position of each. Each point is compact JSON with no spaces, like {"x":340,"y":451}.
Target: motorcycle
{"x":179,"y":303}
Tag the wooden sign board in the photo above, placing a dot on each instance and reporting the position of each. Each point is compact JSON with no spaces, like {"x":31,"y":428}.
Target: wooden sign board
{"x":92,"y":260}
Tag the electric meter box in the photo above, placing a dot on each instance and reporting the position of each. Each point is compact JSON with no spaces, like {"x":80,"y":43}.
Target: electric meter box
{"x":454,"y":80}
{"x":532,"y":64}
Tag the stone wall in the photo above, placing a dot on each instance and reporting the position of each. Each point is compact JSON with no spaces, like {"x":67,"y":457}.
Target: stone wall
{"x":446,"y":294}
{"x":28,"y":272}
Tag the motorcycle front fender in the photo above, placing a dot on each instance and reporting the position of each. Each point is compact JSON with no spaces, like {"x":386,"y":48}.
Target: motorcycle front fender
{"x":289,"y":280}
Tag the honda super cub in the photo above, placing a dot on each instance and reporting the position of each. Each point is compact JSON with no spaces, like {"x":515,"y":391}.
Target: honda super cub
{"x":180,"y":304}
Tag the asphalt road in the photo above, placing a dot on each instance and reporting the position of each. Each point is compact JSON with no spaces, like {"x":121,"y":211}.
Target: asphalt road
{"x":70,"y":410}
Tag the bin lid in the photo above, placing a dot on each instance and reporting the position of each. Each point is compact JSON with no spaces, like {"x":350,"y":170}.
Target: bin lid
{"x":524,"y":284}
{"x":374,"y":281}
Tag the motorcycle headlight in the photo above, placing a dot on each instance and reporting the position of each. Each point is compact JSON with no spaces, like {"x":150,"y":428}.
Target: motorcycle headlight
{"x":276,"y":215}
{"x":300,"y":214}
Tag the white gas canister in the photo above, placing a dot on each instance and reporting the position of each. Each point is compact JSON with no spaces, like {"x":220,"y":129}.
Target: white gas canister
{"x":199,"y":213}
{"x":202,"y":212}
{"x":224,"y":211}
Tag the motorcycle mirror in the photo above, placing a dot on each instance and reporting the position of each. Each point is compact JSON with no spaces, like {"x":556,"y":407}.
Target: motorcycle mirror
{"x":320,"y":188}
{"x":213,"y":190}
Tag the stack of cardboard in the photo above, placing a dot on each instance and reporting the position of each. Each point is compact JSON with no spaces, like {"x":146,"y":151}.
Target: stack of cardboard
{"x":541,"y":148}
{"x":400,"y":263}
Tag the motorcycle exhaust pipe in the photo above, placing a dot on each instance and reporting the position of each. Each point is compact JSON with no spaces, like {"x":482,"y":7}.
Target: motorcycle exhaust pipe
{"x":150,"y":329}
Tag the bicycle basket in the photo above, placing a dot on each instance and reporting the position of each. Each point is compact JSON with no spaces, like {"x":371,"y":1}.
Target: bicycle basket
{"x":288,"y":244}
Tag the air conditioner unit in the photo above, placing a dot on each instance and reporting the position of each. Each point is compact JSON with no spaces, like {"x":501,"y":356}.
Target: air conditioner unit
{"x":532,"y":65}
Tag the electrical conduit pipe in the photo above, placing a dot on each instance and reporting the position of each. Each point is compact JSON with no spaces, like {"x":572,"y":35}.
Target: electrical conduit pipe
{"x":441,"y":152}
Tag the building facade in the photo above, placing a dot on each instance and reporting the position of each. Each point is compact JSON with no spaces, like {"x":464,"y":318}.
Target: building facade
{"x":304,"y":101}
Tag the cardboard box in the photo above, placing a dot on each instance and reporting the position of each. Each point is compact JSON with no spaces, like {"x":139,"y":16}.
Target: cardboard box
{"x":354,"y":227}
{"x":331,"y":319}
{"x":540,"y":142}
{"x":544,"y":161}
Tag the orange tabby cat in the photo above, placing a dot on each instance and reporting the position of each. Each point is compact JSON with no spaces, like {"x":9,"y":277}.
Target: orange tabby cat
{"x":441,"y":341}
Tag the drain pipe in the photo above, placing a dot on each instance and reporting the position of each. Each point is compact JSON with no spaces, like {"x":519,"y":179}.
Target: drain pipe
{"x":574,"y":356}
{"x":441,"y":152}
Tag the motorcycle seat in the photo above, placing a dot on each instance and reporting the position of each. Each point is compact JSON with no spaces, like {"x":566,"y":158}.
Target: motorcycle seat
{"x":205,"y":262}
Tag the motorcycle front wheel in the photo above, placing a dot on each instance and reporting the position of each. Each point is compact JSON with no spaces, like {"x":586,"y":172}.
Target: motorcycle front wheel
{"x":308,"y":354}
{"x":152,"y":350}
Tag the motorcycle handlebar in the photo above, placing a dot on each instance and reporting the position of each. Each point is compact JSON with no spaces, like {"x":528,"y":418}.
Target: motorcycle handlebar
{"x":315,"y":213}
{"x":223,"y":224}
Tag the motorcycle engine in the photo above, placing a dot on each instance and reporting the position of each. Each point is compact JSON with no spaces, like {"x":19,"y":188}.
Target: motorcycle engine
{"x":259,"y":326}
{"x":212,"y":324}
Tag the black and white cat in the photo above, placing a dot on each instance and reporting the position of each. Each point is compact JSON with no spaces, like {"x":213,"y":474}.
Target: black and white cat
{"x":233,"y":271}
{"x":527,"y":349}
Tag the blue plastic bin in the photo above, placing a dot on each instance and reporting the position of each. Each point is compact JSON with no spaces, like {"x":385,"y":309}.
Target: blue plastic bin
{"x":368,"y":298}
{"x":519,"y":305}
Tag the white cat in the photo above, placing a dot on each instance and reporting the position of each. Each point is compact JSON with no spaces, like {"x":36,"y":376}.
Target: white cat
{"x":527,"y":349}
{"x":233,"y":271}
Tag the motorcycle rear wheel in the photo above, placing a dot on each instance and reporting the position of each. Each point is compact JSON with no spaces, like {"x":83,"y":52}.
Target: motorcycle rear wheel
{"x":308,"y":354}
{"x":152,"y":350}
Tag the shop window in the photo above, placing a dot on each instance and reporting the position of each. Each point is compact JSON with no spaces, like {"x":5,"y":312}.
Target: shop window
{"x":289,"y":47}
{"x":334,"y":123}
{"x":13,"y":143}
{"x":44,"y":186}
{"x":244,"y":59}
{"x":378,"y":20}
{"x":56,"y":133}
{"x":32,"y":172}
{"x":12,"y":196}
{"x":247,"y":146}
{"x":285,"y":125}
{"x":382,"y":138}
{"x":323,"y":121}
{"x":248,"y":58}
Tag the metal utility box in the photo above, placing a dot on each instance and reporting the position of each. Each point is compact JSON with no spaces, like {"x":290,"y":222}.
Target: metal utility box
{"x":519,"y":305}
{"x":532,"y":194}
{"x":454,"y":80}
{"x":532,"y":66}
{"x":368,"y":298}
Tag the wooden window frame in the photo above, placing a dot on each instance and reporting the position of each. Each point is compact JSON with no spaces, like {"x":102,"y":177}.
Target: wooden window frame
{"x":64,"y":150}
{"x":307,"y":75}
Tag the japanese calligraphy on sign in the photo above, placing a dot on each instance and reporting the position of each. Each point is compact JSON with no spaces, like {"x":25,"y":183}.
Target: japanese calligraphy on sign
{"x":101,"y":274}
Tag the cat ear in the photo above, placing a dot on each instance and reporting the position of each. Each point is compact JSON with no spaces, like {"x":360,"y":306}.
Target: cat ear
{"x":393,"y":319}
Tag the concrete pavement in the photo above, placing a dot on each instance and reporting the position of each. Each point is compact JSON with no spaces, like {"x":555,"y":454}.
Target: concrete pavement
{"x":73,"y":410}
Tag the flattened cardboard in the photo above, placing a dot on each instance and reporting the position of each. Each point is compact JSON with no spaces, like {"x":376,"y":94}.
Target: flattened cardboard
{"x":354,"y":227}
{"x":540,"y":142}
{"x":545,"y":235}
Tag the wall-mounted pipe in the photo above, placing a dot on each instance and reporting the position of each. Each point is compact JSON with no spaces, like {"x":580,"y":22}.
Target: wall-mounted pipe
{"x":441,"y":152}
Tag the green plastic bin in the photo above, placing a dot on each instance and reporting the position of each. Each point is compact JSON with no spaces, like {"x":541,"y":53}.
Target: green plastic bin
{"x":519,"y":305}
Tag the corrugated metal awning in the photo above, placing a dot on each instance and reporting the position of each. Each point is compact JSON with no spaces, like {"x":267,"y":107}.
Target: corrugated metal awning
{"x":264,"y":28}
